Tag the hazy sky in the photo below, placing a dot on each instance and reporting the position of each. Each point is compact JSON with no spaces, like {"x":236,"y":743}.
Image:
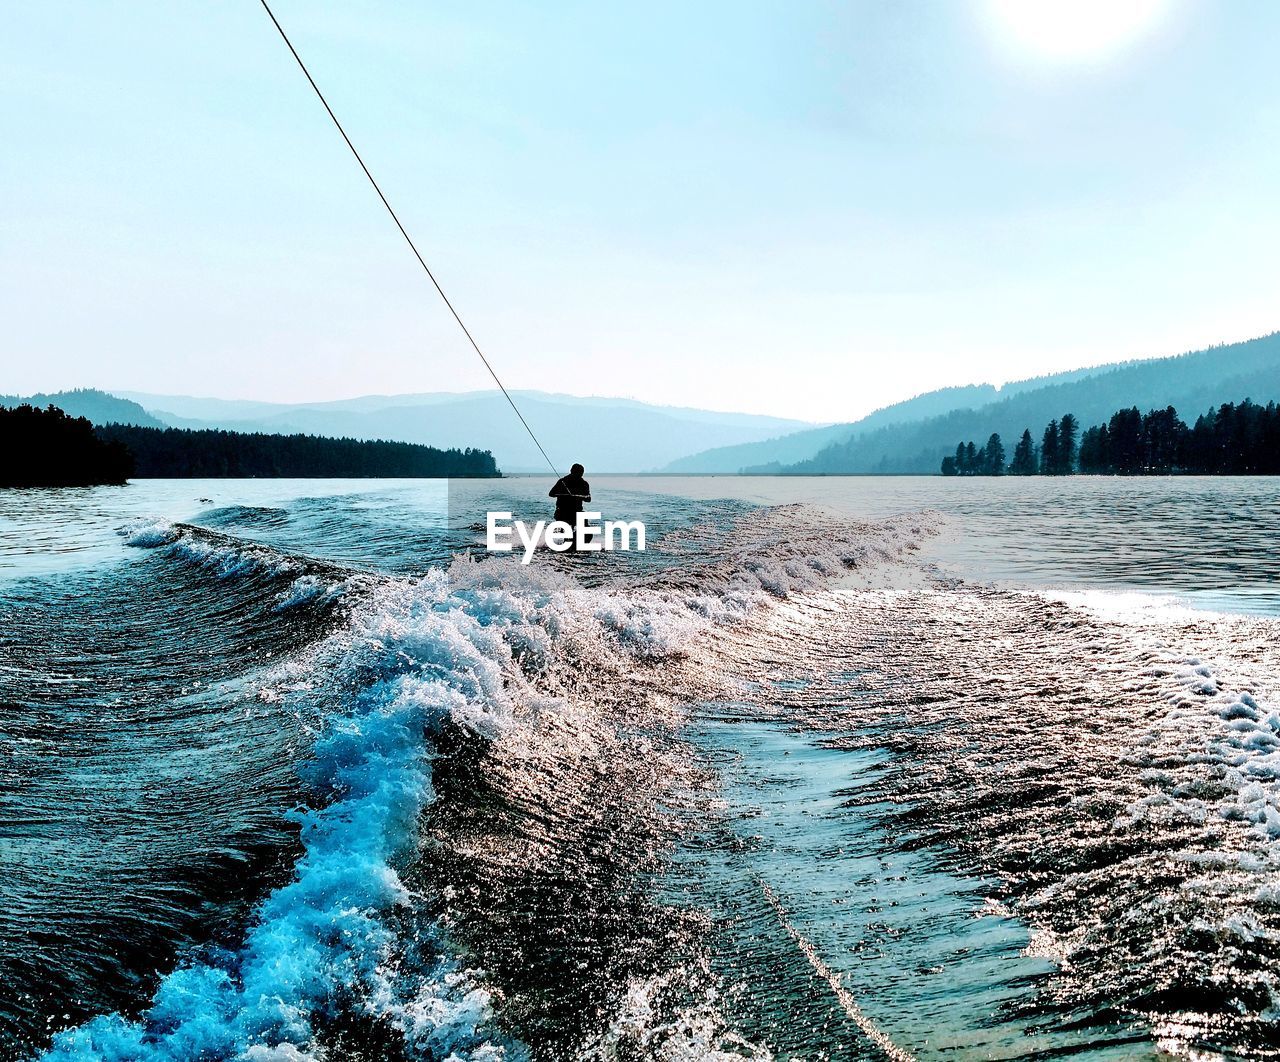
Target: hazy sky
{"x":806,"y":209}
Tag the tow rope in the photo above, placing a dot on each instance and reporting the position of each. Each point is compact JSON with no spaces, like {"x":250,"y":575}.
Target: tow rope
{"x":403,"y":232}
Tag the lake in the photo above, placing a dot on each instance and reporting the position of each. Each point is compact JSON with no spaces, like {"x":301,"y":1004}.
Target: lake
{"x":843,"y":767}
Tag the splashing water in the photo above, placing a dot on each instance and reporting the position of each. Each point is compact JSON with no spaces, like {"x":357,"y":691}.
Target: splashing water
{"x":741,"y":797}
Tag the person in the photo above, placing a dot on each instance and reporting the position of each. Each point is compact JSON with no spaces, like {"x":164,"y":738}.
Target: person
{"x":570,"y":493}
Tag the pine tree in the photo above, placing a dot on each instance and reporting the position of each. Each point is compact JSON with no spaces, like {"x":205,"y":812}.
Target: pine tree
{"x":993,"y":456}
{"x":1049,"y":450}
{"x":1092,"y":450}
{"x":1024,"y":456}
{"x":1066,"y":455}
{"x":1163,"y":436}
{"x":1125,"y":431}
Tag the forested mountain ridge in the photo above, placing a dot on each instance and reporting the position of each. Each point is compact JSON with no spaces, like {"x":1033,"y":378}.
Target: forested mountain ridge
{"x":1233,"y":439}
{"x":1198,"y":380}
{"x":799,"y":445}
{"x":95,"y":406}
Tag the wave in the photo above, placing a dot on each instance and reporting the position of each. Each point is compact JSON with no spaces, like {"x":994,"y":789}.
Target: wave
{"x":311,"y":590}
{"x":1111,"y":771}
{"x":1109,"y":765}
{"x":254,"y":517}
{"x":223,"y":555}
{"x":1232,"y":773}
{"x":324,"y":943}
{"x":149,"y":533}
{"x":312,"y":582}
{"x":478,"y":652}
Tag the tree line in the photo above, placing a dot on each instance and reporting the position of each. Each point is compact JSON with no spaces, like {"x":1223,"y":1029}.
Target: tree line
{"x":1232,"y":439}
{"x":906,"y":439}
{"x":181,"y":453}
{"x":46,"y":447}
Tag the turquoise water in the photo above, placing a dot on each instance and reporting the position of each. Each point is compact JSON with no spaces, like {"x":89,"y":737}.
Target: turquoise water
{"x":938,"y":963}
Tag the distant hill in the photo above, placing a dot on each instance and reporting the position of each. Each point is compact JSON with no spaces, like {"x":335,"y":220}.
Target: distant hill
{"x":606,"y":434}
{"x":97,"y":407}
{"x":889,"y":446}
{"x":800,"y":445}
{"x":1189,"y":382}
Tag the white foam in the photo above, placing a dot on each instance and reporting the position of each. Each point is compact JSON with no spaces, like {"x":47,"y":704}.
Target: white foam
{"x":148,"y":533}
{"x":226,"y":560}
{"x":455,"y":648}
{"x":1240,"y":750}
{"x":696,"y":1033}
{"x":1128,"y":606}
{"x":323,"y":940}
{"x":310,"y":590}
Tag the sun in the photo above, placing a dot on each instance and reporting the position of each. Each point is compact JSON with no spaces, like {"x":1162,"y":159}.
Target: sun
{"x":1065,"y":31}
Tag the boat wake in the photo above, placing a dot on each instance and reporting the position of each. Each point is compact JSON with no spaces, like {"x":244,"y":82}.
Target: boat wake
{"x":739,"y":801}
{"x":534,"y":691}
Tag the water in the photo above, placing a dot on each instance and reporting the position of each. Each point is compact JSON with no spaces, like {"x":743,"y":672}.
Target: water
{"x":838,"y":768}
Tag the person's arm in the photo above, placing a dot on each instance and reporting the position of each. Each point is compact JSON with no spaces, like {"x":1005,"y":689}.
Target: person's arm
{"x":559,"y":490}
{"x":586,"y":491}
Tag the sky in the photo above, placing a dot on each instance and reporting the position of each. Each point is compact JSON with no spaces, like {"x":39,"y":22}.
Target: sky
{"x":803,"y":209}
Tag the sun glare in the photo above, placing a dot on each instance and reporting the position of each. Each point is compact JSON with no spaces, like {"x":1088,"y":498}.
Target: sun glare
{"x":1072,"y":30}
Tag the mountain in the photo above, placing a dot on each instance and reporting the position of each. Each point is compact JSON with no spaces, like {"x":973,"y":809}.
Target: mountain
{"x":800,"y":445}
{"x":95,"y":406}
{"x":605,"y":434}
{"x":1190,"y":383}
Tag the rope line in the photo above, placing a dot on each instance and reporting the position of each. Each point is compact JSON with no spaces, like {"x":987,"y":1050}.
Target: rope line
{"x":403,"y":232}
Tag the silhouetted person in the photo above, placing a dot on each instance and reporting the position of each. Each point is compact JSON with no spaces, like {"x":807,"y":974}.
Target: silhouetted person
{"x":570,"y":493}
